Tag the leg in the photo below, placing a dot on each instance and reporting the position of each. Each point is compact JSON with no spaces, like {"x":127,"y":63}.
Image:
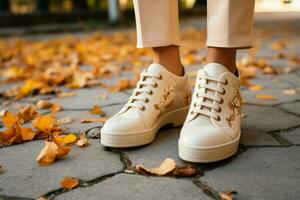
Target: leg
{"x":158,"y":28}
{"x":162,"y":94}
{"x":213,"y":126}
{"x":229,"y":27}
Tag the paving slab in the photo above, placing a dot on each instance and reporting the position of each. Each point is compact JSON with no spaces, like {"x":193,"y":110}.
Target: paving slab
{"x":256,"y":138}
{"x":267,"y":118}
{"x":136,"y":187}
{"x":87,"y":98}
{"x":292,"y":136}
{"x":25,"y":178}
{"x":292,"y":107}
{"x":250,"y":96}
{"x":270,"y":82}
{"x":260,"y":173}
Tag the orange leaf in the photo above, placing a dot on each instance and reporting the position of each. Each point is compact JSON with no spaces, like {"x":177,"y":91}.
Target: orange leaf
{"x":256,"y":87}
{"x":96,"y":110}
{"x":266,"y":97}
{"x":52,"y":151}
{"x":89,"y":120}
{"x":69,"y":182}
{"x":28,"y":113}
{"x":27,"y":134}
{"x":44,"y":123}
{"x":67,"y":139}
{"x":9,"y":119}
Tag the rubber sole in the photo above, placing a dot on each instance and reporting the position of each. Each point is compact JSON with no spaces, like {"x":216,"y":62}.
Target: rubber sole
{"x":208,"y":154}
{"x":133,"y":139}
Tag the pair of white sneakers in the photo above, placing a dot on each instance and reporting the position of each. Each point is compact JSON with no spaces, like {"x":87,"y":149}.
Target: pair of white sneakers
{"x":211,"y":118}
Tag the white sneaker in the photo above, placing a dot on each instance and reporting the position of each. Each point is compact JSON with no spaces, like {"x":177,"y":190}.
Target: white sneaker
{"x":212,"y":130}
{"x":160,"y":98}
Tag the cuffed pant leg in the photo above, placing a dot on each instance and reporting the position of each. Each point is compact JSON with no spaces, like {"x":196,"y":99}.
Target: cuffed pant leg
{"x":157,"y":23}
{"x":230,"y":23}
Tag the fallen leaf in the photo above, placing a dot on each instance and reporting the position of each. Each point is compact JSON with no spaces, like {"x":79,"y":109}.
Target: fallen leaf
{"x":27,"y":134}
{"x":96,"y":110}
{"x":90,"y":120}
{"x":67,"y":139}
{"x":44,"y":104}
{"x":227,"y":195}
{"x":65,"y":94}
{"x":82,"y":140}
{"x":256,"y":87}
{"x":266,"y":97}
{"x":9,"y":119}
{"x":289,"y":92}
{"x":169,"y":168}
{"x":1,"y":169}
{"x":28,"y":113}
{"x":66,"y":120}
{"x":44,"y":123}
{"x":52,"y":151}
{"x":69,"y":182}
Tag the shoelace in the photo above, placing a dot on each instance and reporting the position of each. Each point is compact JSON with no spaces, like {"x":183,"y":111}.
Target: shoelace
{"x":214,"y":101}
{"x":143,"y":90}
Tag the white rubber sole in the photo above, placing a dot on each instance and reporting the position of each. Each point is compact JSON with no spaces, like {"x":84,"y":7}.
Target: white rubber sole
{"x":133,"y":139}
{"x":208,"y":154}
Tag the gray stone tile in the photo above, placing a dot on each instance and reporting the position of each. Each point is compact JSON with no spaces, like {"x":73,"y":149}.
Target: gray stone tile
{"x":292,"y":136}
{"x":270,"y":82}
{"x":165,"y":145}
{"x":291,"y":78}
{"x":267,"y":118}
{"x":260,"y":173}
{"x":123,"y":187}
{"x":257,"y":137}
{"x":24,"y":177}
{"x":250,"y":96}
{"x":87,"y":97}
{"x":292,"y":107}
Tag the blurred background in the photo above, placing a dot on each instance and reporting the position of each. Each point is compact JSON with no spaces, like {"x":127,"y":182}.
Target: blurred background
{"x":31,"y":12}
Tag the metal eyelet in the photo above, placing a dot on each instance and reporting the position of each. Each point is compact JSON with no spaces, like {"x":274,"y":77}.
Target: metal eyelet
{"x":195,"y":105}
{"x":218,"y":118}
{"x":143,"y":108}
{"x":219,"y":110}
{"x":222,"y":101}
{"x":224,"y":92}
{"x":147,"y":100}
{"x":226,"y":82}
{"x":151,"y":92}
{"x":197,"y":95}
{"x":160,"y":77}
{"x":192,"y":112}
{"x":155,"y":85}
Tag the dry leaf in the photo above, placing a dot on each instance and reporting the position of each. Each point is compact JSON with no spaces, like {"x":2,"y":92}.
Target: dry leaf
{"x":52,"y":151}
{"x":65,"y":94}
{"x":43,"y":104}
{"x":28,"y":113}
{"x":289,"y":92}
{"x":44,"y":123}
{"x":69,"y":182}
{"x":82,"y":140}
{"x":67,"y":139}
{"x":227,"y":195}
{"x":27,"y":134}
{"x":66,"y":120}
{"x":169,"y":168}
{"x":256,"y":87}
{"x":266,"y":97}
{"x":90,"y":120}
{"x":96,"y":110}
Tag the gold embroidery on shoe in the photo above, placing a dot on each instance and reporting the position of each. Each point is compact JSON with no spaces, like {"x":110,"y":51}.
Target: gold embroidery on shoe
{"x":166,"y":99}
{"x":187,"y":98}
{"x":235,"y":106}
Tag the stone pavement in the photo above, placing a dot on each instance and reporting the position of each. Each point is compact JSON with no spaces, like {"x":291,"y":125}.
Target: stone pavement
{"x":267,"y":165}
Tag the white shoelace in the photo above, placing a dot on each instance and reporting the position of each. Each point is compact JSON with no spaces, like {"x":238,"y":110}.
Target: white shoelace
{"x":214,"y":97}
{"x":144,"y":90}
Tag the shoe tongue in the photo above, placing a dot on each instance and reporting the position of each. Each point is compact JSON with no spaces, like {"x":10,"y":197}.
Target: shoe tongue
{"x":214,"y":69}
{"x":154,"y":68}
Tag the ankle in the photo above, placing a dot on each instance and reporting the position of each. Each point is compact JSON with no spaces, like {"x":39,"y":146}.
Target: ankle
{"x":169,"y":57}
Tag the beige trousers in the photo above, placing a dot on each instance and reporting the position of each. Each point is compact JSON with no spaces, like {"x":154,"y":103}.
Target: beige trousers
{"x":229,"y":23}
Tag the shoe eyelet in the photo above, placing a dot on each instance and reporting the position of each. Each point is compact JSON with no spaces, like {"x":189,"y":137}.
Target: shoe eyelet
{"x":151,"y":92}
{"x":197,"y":95}
{"x":224,"y":92}
{"x":155,"y":85}
{"x":147,"y":100}
{"x":160,"y":77}
{"x":219,"y":110}
{"x":143,"y":108}
{"x":218,"y":118}
{"x":222,"y":101}
{"x":192,"y":112}
{"x":195,"y":105}
{"x":226,"y":82}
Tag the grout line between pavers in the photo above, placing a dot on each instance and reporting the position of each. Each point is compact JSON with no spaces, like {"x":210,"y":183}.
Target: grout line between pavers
{"x":4,"y":197}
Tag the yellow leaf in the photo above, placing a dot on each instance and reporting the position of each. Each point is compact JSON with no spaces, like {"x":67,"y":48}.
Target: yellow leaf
{"x":167,"y":166}
{"x":44,"y":123}
{"x":256,"y":87}
{"x":90,"y":120}
{"x":266,"y":97}
{"x":67,"y":139}
{"x":96,"y":110}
